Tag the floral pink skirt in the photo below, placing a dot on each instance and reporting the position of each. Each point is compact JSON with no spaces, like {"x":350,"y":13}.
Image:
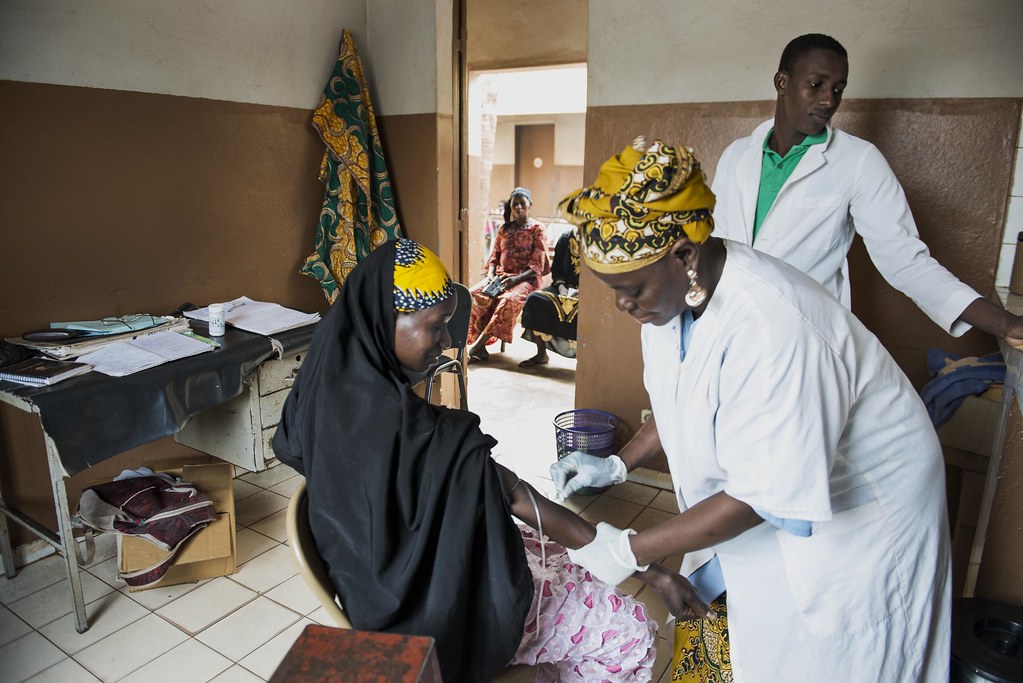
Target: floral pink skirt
{"x":588,"y":630}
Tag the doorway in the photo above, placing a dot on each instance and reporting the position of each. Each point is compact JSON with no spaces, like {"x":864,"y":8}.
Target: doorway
{"x":524,"y":127}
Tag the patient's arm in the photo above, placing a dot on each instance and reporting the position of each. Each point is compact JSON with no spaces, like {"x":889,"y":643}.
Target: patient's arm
{"x":560,"y":524}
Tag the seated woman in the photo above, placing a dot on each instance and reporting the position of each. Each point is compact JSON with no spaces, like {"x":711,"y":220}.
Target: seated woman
{"x":518,"y":260}
{"x":412,"y":516}
{"x":550,"y":316}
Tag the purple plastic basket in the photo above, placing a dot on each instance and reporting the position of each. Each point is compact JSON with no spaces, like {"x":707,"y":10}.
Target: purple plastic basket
{"x":587,"y":430}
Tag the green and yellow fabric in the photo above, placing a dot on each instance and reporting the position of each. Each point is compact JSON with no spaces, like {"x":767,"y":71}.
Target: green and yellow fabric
{"x":358,"y":212}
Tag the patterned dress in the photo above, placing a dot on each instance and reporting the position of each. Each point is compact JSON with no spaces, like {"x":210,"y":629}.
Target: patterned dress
{"x":589,"y":630}
{"x":516,"y":250}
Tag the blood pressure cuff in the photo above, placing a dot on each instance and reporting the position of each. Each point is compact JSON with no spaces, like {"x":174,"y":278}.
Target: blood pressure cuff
{"x":163,"y":512}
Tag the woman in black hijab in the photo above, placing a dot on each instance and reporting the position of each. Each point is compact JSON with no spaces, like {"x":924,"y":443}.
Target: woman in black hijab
{"x":413,"y":517}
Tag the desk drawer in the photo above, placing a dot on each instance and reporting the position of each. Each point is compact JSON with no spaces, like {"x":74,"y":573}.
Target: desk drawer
{"x":272,"y":375}
{"x":271,"y":406}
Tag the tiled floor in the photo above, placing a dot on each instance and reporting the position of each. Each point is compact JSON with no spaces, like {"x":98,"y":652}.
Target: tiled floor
{"x":238,"y":628}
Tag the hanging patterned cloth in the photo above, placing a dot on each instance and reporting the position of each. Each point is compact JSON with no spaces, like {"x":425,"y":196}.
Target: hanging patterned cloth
{"x":358,"y":211}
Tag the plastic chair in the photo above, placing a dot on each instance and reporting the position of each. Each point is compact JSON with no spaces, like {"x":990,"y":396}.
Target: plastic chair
{"x":458,"y":328}
{"x":310,"y":564}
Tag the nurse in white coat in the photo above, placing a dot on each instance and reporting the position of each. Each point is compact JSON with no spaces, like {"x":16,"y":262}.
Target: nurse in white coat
{"x":800,"y":189}
{"x":799,"y":451}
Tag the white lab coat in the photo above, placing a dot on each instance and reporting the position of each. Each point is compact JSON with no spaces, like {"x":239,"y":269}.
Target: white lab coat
{"x":839,"y":188}
{"x":786,"y":402}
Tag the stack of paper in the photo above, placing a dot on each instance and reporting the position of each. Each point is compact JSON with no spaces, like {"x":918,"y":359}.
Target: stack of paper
{"x":83,"y":345}
{"x":260,"y":317}
{"x":132,"y":355}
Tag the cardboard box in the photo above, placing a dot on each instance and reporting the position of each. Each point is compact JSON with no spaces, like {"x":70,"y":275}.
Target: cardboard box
{"x":208,"y":553}
{"x":972,"y":426}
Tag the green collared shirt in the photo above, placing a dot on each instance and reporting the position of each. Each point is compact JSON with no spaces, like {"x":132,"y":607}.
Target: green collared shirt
{"x":776,"y":170}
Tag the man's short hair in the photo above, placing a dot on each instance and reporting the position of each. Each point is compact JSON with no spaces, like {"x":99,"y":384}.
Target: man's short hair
{"x":798,"y":47}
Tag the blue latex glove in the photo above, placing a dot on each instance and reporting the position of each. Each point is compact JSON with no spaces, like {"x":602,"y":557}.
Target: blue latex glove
{"x":579,"y":470}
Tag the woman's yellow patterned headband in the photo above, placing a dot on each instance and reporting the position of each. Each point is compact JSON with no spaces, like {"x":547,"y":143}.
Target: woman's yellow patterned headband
{"x":420,"y":279}
{"x":643,"y":201}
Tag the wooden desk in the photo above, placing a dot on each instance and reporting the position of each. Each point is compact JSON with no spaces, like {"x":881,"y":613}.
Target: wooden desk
{"x":323,"y":654}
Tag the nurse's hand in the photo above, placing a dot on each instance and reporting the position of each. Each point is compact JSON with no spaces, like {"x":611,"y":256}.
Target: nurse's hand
{"x":1014,"y":333}
{"x":609,"y":555}
{"x":578,"y":470}
{"x":677,"y":594}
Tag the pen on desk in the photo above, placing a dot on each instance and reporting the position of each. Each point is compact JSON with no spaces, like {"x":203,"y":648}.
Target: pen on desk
{"x":201,"y":338}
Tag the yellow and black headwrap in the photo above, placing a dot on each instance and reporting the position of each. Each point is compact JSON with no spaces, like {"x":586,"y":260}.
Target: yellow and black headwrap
{"x":420,"y":279}
{"x":644,"y":199}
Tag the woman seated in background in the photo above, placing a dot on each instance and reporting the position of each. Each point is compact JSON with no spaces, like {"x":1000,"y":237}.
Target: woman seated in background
{"x":517,"y":262}
{"x":550,"y":316}
{"x":412,"y":516}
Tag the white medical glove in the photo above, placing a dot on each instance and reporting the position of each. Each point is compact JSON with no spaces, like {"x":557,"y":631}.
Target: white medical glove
{"x":579,"y":470}
{"x":609,"y":556}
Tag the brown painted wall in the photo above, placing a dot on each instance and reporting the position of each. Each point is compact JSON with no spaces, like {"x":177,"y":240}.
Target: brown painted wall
{"x":954,"y":158}
{"x":418,"y":152}
{"x":120,"y":202}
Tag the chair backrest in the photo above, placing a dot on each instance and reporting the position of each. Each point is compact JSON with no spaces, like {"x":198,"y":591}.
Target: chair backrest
{"x":310,"y":564}
{"x":458,"y":325}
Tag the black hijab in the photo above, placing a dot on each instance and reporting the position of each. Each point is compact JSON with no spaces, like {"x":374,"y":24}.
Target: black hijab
{"x":405,"y":503}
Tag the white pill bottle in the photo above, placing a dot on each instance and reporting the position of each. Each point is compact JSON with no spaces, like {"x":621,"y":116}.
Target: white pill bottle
{"x":217,"y":320}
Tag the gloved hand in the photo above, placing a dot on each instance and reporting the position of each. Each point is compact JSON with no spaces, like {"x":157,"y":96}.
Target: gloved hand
{"x":609,"y":556}
{"x":578,"y":470}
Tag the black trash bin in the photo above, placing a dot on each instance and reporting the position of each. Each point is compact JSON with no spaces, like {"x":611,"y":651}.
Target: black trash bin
{"x":986,"y":642}
{"x":588,"y":430}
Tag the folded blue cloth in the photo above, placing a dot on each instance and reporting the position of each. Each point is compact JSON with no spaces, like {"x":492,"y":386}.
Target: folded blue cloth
{"x":955,"y":378}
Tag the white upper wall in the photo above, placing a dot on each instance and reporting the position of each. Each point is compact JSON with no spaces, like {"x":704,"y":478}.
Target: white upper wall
{"x":665,"y":51}
{"x":254,"y":51}
{"x":411,"y":52}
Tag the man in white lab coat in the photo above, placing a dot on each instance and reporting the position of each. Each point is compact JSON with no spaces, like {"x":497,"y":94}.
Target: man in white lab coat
{"x":799,"y":189}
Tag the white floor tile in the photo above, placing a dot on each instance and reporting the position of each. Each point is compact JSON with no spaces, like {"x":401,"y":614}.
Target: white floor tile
{"x":270,"y":476}
{"x":322,"y":617}
{"x":31,"y":578}
{"x":136,"y":644}
{"x":243,"y":489}
{"x":264,"y":661}
{"x":155,"y":598}
{"x":110,"y":613}
{"x":206,"y":604}
{"x":237,"y":674}
{"x":247,"y":629}
{"x":631,"y":491}
{"x":12,"y":626}
{"x":649,"y":518}
{"x":250,"y":510}
{"x":201,"y":664}
{"x":55,"y":601}
{"x":27,"y":656}
{"x":295,"y":595}
{"x":106,"y":572}
{"x":106,"y":547}
{"x":66,"y":671}
{"x":268,"y":570}
{"x":251,"y":543}
{"x":274,"y":526}
{"x":288,"y":487}
{"x":666,"y":501}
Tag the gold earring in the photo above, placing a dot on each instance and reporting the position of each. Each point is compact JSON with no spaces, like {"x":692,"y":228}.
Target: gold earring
{"x":696,"y":294}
